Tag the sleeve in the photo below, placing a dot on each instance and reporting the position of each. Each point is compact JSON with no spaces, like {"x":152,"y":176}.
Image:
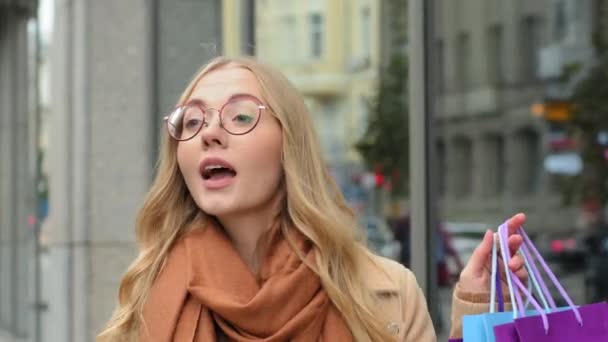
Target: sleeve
{"x":418,"y":324}
{"x":467,"y":303}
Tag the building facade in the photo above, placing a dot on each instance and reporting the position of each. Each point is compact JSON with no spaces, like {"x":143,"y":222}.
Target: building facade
{"x":495,"y":60}
{"x":331,"y":51}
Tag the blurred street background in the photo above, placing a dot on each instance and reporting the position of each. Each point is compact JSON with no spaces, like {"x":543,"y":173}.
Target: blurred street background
{"x":514,"y":118}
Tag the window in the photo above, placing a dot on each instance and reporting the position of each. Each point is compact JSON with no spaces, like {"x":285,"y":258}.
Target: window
{"x":530,"y":45}
{"x":462,"y":160}
{"x":559,"y":21}
{"x":528,"y":154}
{"x":366,"y":32}
{"x":493,"y":173}
{"x":316,"y":35}
{"x":440,"y":67}
{"x":464,"y":59}
{"x":495,"y":54}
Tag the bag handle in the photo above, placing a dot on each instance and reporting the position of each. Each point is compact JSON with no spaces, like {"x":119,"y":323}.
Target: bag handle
{"x":541,"y":287}
{"x":513,"y":294}
{"x":495,"y":285}
{"x":518,"y":306}
{"x":551,"y":275}
{"x":526,"y":246}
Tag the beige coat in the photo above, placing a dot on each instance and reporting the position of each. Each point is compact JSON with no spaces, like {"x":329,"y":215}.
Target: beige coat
{"x":404,"y":304}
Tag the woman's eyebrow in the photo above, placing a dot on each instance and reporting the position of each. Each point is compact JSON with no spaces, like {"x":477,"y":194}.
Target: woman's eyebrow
{"x":237,"y":95}
{"x":196,"y":101}
{"x":201,"y":102}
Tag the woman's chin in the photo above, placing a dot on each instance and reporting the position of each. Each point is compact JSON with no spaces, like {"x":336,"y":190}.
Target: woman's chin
{"x":216,"y":209}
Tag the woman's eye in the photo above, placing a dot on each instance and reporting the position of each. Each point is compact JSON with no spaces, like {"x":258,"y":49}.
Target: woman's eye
{"x":243,"y":118}
{"x":191,"y":123}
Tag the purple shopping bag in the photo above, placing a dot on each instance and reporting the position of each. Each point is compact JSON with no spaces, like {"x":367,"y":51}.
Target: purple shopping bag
{"x":588,"y":323}
{"x":563,"y":326}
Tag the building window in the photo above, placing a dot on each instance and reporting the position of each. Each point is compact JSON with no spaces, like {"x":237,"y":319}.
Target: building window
{"x":462,"y":159}
{"x":440,"y":72}
{"x":366,"y":28}
{"x":527,"y":152}
{"x":495,"y":54}
{"x":560,"y":22}
{"x":316,"y":35}
{"x":530,"y":45}
{"x":493,"y":173}
{"x":463,"y":59}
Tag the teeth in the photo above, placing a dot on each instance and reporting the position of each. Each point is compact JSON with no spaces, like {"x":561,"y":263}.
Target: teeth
{"x":214,"y":167}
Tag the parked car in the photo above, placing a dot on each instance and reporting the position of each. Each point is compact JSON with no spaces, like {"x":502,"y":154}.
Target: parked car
{"x":465,"y":237}
{"x":575,"y":254}
{"x":567,"y":250}
{"x":380,"y":238}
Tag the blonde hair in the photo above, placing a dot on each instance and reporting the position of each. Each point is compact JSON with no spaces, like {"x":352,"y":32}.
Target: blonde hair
{"x":313,"y":205}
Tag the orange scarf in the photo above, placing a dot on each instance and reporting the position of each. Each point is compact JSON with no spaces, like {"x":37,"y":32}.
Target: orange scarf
{"x":205,"y":286}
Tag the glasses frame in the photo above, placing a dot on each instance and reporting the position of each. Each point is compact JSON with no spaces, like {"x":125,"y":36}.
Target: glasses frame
{"x":204,"y":110}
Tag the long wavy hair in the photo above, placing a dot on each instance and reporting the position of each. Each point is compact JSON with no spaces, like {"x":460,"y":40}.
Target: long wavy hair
{"x":313,"y":205}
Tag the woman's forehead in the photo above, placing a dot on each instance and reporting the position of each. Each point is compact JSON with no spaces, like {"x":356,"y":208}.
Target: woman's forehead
{"x":220,"y":84}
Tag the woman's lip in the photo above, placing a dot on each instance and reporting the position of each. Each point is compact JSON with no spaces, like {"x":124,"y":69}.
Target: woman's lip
{"x":214,"y":161}
{"x":216,"y":184}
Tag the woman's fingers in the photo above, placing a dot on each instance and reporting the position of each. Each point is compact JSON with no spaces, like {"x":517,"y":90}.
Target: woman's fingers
{"x":515,"y":242}
{"x":515,"y":222}
{"x":522,"y":274}
{"x":481,"y":255}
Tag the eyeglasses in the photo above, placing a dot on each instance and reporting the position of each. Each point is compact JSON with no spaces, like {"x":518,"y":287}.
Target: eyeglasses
{"x":238,"y":116}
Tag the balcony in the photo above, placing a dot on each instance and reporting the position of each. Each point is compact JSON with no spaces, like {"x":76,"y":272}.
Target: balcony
{"x":479,"y":101}
{"x":320,"y":84}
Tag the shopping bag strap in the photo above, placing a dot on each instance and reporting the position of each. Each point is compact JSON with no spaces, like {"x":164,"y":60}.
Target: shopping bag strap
{"x":528,"y":246}
{"x":505,"y":259}
{"x":493,"y":277}
{"x":541,"y":287}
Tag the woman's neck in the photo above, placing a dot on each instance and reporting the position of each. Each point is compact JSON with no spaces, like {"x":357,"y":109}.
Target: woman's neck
{"x":245,"y":230}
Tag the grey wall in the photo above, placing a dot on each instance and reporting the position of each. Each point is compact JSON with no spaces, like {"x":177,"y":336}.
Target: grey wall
{"x":16,"y":171}
{"x":117,"y":67}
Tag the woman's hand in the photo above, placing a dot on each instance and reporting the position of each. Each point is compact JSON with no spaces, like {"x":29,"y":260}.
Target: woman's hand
{"x":475,"y":277}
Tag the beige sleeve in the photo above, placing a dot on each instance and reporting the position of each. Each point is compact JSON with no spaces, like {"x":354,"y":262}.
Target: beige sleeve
{"x":418,"y":324}
{"x":466,"y":303}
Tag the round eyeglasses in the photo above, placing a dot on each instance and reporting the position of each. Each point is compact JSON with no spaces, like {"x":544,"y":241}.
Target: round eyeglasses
{"x":238,"y":116}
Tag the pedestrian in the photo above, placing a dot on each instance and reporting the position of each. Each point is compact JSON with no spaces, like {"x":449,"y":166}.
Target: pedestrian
{"x":244,"y":236}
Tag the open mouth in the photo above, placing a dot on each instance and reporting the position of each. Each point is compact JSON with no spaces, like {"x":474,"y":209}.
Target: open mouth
{"x":215,"y":172}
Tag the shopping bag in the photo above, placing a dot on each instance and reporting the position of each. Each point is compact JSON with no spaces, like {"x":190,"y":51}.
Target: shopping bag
{"x":480,"y":328}
{"x":587,"y":323}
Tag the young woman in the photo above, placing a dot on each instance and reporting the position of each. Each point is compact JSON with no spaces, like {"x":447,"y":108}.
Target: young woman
{"x":244,"y":236}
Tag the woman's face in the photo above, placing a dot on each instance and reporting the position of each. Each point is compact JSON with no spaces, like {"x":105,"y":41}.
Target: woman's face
{"x":230,"y":174}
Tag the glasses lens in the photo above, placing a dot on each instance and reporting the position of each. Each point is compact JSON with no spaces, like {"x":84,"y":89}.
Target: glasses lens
{"x":185,"y":122}
{"x":240,"y":116}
